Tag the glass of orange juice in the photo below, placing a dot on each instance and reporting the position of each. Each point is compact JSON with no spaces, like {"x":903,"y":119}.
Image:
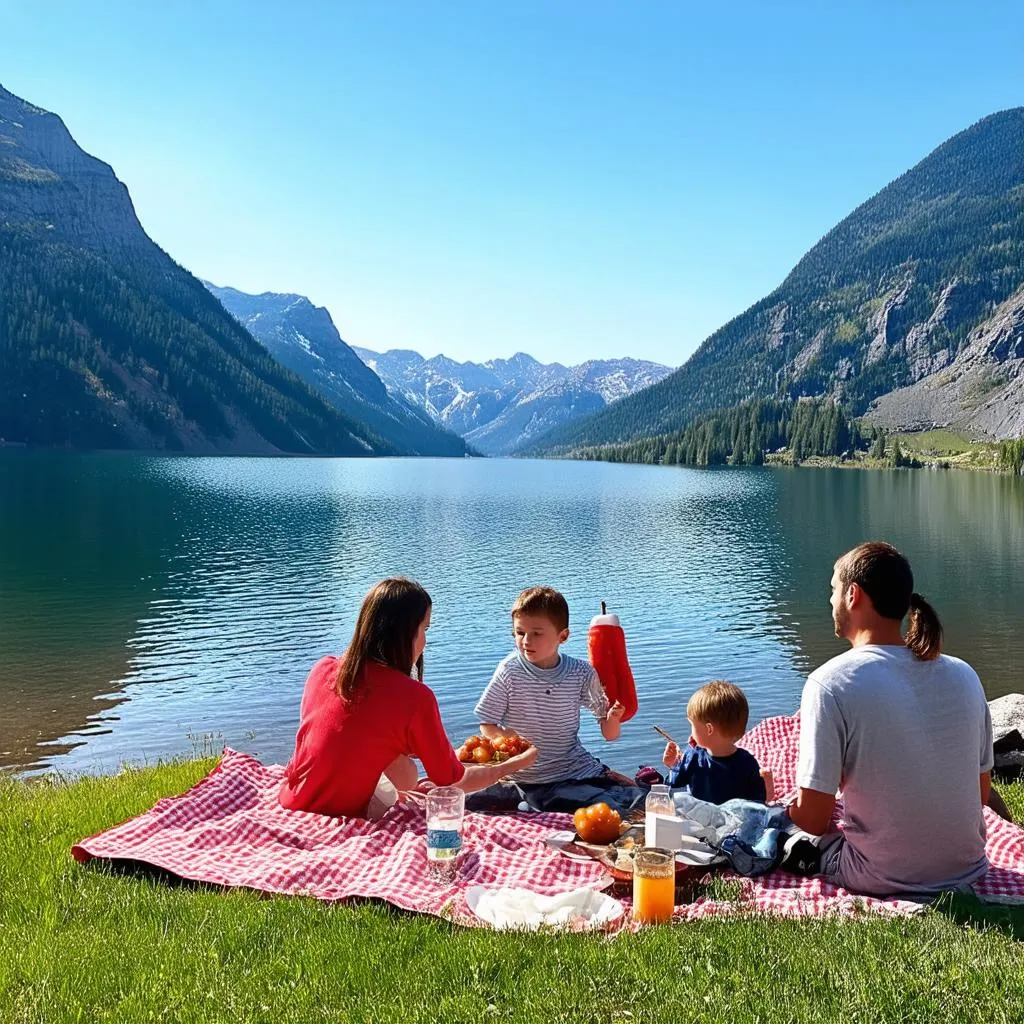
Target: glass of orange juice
{"x":654,"y":885}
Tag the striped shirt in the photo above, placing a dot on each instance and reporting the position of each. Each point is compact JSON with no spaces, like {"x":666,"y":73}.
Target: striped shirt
{"x":543,"y":704}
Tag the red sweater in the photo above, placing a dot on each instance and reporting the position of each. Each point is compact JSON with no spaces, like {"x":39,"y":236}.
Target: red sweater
{"x":342,"y":749}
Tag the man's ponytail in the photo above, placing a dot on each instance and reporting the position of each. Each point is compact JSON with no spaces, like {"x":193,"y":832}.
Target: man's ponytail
{"x":924,"y":631}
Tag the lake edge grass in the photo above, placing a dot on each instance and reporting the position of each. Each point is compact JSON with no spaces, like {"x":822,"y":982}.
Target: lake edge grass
{"x":88,"y":944}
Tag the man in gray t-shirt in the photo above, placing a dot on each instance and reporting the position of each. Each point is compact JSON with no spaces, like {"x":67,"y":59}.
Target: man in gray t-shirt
{"x":902,"y":732}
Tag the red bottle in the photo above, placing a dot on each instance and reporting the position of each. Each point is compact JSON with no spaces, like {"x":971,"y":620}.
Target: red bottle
{"x":606,"y":648}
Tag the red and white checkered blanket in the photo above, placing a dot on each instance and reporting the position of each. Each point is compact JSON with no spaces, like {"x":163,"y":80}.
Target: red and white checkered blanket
{"x":230,"y":830}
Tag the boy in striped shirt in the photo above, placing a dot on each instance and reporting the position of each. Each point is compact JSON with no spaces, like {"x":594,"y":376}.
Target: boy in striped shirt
{"x":538,"y":693}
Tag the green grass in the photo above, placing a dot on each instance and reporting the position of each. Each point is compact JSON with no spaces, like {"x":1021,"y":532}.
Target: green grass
{"x":957,"y":448}
{"x":87,"y":944}
{"x":937,"y":442}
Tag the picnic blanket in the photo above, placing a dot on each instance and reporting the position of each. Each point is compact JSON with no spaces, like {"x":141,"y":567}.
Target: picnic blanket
{"x":230,"y":830}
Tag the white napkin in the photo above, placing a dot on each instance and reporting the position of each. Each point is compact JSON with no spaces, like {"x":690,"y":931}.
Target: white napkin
{"x":522,"y":908}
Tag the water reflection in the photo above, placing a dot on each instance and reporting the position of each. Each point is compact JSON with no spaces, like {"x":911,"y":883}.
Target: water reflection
{"x":199,"y":591}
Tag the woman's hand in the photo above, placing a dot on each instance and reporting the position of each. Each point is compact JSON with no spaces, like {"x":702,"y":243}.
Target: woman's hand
{"x":671,"y":757}
{"x":480,"y":776}
{"x":523,"y":760}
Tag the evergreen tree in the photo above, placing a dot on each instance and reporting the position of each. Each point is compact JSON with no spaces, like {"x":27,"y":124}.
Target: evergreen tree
{"x":878,"y":448}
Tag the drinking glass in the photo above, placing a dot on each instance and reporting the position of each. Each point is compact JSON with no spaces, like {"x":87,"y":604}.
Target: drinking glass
{"x":654,"y":885}
{"x":445,"y":808}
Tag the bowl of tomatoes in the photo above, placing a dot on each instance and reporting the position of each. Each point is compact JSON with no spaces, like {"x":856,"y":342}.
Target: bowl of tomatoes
{"x":480,"y":750}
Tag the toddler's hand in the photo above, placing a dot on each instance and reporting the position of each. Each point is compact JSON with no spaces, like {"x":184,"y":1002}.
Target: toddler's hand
{"x":671,"y":757}
{"x":616,"y":711}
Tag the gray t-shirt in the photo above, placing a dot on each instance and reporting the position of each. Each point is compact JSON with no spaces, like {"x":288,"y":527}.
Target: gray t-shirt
{"x":543,"y":704}
{"x":905,"y":741}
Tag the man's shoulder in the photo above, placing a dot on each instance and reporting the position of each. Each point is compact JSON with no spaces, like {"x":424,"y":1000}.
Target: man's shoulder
{"x":838,"y":669}
{"x":957,"y":666}
{"x":859,"y":662}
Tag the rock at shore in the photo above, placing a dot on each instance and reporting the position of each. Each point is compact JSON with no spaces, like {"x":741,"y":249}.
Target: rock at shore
{"x":1008,"y":730}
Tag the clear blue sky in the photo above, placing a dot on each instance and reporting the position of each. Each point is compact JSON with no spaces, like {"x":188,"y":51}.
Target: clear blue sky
{"x":575,"y":180}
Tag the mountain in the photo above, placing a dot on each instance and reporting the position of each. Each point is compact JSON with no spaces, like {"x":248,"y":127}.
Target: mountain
{"x":908,"y":287}
{"x":106,"y":342}
{"x":981,"y":392}
{"x":501,"y":405}
{"x":303,"y":338}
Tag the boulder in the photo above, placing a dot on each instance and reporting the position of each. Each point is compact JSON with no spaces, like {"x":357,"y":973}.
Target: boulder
{"x":1008,"y":730}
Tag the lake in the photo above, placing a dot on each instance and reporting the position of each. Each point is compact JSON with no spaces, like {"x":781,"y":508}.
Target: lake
{"x":158,"y":606}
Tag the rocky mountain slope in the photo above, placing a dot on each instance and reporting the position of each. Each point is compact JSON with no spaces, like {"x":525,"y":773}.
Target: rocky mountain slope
{"x":981,"y":392}
{"x":910,"y":284}
{"x":106,"y":342}
{"x":503,"y":404}
{"x":303,"y":338}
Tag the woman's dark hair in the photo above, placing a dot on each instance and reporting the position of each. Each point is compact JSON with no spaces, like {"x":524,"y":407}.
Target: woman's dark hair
{"x":389,"y":618}
{"x":885,"y":576}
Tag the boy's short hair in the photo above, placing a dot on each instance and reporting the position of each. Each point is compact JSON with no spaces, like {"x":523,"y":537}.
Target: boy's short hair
{"x":544,"y":601}
{"x":720,"y":703}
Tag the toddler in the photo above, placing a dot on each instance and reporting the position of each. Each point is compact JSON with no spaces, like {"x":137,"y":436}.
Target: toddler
{"x":712,"y":766}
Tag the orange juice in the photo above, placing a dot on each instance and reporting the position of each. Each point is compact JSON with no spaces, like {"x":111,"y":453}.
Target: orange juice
{"x":654,"y":885}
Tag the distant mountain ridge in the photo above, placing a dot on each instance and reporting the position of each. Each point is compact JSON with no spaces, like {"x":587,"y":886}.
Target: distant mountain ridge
{"x":106,"y":342}
{"x":895,"y":295}
{"x":503,"y":404}
{"x":303,"y":337}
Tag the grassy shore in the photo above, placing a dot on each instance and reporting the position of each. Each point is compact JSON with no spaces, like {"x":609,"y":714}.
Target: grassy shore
{"x":87,"y":944}
{"x":933,"y":449}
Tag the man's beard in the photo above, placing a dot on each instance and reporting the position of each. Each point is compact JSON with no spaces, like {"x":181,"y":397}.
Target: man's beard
{"x":839,"y":621}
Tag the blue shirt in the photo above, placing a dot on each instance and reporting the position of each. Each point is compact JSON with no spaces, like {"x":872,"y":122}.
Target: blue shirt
{"x":717,"y":779}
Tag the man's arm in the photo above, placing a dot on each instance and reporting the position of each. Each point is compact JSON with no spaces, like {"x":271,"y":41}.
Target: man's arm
{"x":821,"y":760}
{"x":986,"y":788}
{"x":812,"y":811}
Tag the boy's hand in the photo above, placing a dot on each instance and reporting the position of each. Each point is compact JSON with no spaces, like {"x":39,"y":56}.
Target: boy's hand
{"x":671,"y":757}
{"x":615,"y":712}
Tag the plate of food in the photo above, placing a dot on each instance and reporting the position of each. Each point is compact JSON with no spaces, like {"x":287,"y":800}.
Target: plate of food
{"x":481,"y":750}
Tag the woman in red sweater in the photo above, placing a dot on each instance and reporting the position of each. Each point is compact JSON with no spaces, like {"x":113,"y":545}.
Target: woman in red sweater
{"x":363,"y":717}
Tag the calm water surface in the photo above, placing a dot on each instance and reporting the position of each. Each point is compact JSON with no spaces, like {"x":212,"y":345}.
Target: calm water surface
{"x":159,"y":606}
